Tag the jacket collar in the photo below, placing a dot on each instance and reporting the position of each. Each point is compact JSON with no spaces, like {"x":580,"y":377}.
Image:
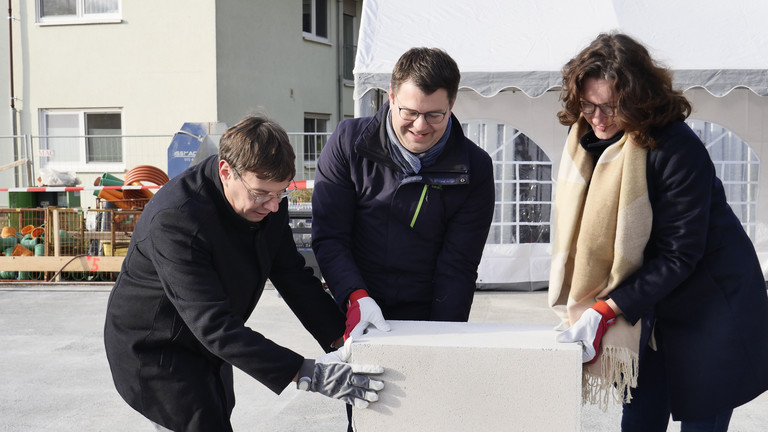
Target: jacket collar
{"x":452,"y":167}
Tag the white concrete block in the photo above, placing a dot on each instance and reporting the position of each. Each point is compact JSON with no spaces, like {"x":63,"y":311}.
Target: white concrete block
{"x":463,"y":377}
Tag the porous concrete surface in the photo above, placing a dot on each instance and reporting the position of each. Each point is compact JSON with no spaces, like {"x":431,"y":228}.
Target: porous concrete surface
{"x":54,"y":374}
{"x":455,"y":377}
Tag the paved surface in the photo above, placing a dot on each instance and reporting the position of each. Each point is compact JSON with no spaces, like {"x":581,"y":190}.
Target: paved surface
{"x":54,"y":374}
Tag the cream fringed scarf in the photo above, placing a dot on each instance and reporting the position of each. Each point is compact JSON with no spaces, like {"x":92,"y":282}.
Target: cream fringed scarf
{"x":602,"y":222}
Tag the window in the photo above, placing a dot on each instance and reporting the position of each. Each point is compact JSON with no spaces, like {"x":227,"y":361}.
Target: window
{"x":80,"y":140}
{"x":315,"y":137}
{"x":737,"y":166}
{"x":78,"y":11}
{"x":315,"y":19}
{"x":523,"y":177}
{"x":350,"y":49}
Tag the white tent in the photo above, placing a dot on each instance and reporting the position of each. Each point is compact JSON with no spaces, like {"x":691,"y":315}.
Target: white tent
{"x":511,"y":52}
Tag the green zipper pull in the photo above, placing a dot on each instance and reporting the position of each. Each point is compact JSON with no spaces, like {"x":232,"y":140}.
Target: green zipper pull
{"x":418,"y":208}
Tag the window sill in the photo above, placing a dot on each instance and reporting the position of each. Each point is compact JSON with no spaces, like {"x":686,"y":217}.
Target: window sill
{"x":313,"y":38}
{"x":78,"y":21}
{"x":87,"y":168}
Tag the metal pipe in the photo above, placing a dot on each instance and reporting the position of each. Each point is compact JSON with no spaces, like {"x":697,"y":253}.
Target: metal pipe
{"x":14,"y":112}
{"x":340,"y":60}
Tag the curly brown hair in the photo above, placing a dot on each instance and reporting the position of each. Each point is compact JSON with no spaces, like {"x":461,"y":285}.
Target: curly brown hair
{"x":645,"y":96}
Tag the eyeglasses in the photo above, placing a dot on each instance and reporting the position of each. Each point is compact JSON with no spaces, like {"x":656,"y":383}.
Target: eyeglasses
{"x":589,"y":108}
{"x":259,"y":198}
{"x":410,"y":115}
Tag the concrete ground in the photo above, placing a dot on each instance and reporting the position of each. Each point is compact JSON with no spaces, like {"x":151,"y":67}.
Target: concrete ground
{"x":54,"y":374}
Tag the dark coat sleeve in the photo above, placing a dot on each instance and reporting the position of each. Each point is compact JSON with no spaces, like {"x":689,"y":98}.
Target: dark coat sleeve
{"x":680,"y":183}
{"x":333,"y":212}
{"x":304,"y":294}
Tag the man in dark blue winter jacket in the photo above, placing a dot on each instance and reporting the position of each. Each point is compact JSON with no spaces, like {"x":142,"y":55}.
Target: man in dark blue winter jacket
{"x":403,"y":202}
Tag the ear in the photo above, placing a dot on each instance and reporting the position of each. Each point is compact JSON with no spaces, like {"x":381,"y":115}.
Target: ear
{"x":391,"y":95}
{"x":225,"y":170}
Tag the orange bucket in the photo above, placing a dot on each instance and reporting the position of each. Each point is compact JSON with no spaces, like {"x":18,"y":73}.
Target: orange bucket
{"x":20,"y":250}
{"x":8,"y":232}
{"x":27,"y":229}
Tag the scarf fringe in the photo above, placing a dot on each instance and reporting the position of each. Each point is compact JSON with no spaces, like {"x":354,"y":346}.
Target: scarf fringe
{"x":618,"y":374}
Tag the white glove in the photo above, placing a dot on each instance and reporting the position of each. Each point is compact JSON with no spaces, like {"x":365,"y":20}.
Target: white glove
{"x":587,"y":332}
{"x":362,"y":312}
{"x":332,"y":376}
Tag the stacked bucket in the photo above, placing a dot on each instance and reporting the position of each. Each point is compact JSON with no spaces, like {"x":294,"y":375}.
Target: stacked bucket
{"x":29,"y":241}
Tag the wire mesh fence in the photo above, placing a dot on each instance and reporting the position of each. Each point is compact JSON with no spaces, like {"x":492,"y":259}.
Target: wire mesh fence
{"x":66,"y":234}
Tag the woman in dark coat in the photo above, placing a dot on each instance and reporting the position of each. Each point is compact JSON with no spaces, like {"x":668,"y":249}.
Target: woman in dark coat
{"x":658,"y":270}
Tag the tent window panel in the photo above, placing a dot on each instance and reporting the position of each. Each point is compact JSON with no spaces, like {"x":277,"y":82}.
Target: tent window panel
{"x":523,"y":176}
{"x":498,"y":171}
{"x":494,"y":235}
{"x":534,"y":212}
{"x":506,"y":191}
{"x":737,"y":193}
{"x":535,"y":191}
{"x":534,"y":234}
{"x":510,"y":171}
{"x":733,"y":173}
{"x":504,"y":213}
{"x":737,"y":165}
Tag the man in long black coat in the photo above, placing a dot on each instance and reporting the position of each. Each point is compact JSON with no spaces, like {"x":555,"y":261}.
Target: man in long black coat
{"x":196,"y":267}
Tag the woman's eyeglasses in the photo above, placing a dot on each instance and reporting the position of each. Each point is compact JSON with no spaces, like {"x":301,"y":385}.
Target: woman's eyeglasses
{"x":589,"y":108}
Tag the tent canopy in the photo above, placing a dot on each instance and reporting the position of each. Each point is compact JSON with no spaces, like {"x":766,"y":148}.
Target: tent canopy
{"x":523,"y":44}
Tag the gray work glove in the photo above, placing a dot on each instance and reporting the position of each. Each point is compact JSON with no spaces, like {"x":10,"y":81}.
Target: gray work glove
{"x":332,"y":376}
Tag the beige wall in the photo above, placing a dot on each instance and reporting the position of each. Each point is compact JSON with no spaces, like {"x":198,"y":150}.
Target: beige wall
{"x":171,"y":62}
{"x":266,"y":65}
{"x":158,"y":65}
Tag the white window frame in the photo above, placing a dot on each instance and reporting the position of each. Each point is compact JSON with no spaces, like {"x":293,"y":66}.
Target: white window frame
{"x":312,"y":34}
{"x":80,"y":17}
{"x":48,"y":160}
{"x":319,"y":138}
{"x":498,"y":140}
{"x":738,"y":168}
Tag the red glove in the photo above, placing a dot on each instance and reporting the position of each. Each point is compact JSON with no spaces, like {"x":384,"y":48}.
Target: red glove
{"x":589,"y":330}
{"x":362,"y":311}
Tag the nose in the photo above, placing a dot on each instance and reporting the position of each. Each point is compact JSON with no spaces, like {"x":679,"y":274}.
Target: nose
{"x":598,"y":115}
{"x":272,"y":205}
{"x":421,"y":122}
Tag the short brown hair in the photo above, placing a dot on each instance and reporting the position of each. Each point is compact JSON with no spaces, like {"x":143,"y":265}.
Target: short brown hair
{"x":646,"y":98}
{"x":261,"y":146}
{"x":430,"y":69}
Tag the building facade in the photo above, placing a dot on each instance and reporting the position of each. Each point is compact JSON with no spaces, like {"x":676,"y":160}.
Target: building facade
{"x":101,"y":86}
